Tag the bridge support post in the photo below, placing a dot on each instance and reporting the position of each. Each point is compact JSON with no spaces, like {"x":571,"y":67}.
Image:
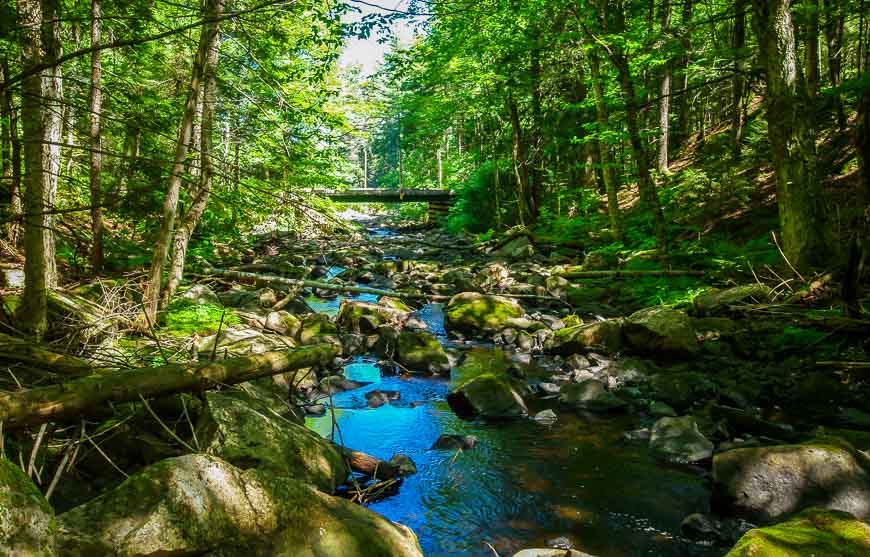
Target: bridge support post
{"x":437,"y":211}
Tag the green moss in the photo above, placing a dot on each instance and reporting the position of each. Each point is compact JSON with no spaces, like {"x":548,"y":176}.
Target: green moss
{"x":815,"y":532}
{"x":481,"y":361}
{"x":11,"y":301}
{"x":472,"y":312}
{"x":184,"y":318}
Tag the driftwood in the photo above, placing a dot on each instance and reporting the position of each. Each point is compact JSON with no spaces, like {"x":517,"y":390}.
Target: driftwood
{"x":78,"y":397}
{"x":571,"y":274}
{"x":369,"y":465}
{"x":269,"y":280}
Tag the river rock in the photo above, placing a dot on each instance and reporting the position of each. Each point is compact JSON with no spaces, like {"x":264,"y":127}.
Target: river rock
{"x":404,"y":464}
{"x":316,"y":329}
{"x":661,"y":332}
{"x":366,"y":317}
{"x":283,"y":323}
{"x":768,"y":483}
{"x":683,"y":388}
{"x":449,"y":441}
{"x":814,"y":532}
{"x":591,"y":395}
{"x":27,"y":523}
{"x":546,"y":417}
{"x":242,"y":342}
{"x":246,"y":433}
{"x":475,"y":314}
{"x":488,"y":395}
{"x":551,"y":552}
{"x":518,"y":248}
{"x":679,"y":440}
{"x":600,"y":335}
{"x":198,"y":504}
{"x":376,"y":399}
{"x":201,"y":294}
{"x":714,"y":300}
{"x":421,"y":351}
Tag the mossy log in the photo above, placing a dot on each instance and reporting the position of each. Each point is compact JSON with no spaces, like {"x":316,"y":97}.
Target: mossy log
{"x":35,"y":356}
{"x":78,"y":397}
{"x":578,"y":274}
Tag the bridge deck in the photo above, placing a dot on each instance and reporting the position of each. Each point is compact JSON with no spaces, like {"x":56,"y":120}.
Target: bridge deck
{"x":381,"y":195}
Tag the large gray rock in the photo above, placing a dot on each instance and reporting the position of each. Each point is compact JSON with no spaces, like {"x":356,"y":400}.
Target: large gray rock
{"x":421,"y":351}
{"x":661,"y":331}
{"x":248,"y":433}
{"x":600,"y":335}
{"x":242,"y":342}
{"x":200,"y":505}
{"x":476,"y":314}
{"x":591,"y":395}
{"x":27,"y":523}
{"x":679,"y":440}
{"x":488,"y":395}
{"x":768,"y":483}
{"x":518,"y":248}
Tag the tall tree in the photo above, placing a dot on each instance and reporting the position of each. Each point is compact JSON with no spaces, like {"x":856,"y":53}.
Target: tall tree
{"x":664,"y":91}
{"x":10,"y":153}
{"x":792,"y":136}
{"x":739,"y":80}
{"x":608,"y":176}
{"x":96,"y":108}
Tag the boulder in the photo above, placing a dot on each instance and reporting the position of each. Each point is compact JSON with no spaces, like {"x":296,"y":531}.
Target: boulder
{"x":27,"y":523}
{"x":591,"y":395}
{"x":550,"y":552}
{"x":814,"y":532}
{"x":404,"y":464}
{"x":682,"y":389}
{"x":661,"y":331}
{"x":488,"y":395}
{"x":679,"y":440}
{"x":201,"y":294}
{"x":246,"y":433}
{"x":600,"y":335}
{"x":283,"y":323}
{"x":421,"y":351}
{"x":518,"y":248}
{"x":447,"y":441}
{"x":376,"y":399}
{"x":474,"y":314}
{"x":317,"y":328}
{"x":200,"y":505}
{"x":366,"y":317}
{"x":242,"y":342}
{"x":768,"y":483}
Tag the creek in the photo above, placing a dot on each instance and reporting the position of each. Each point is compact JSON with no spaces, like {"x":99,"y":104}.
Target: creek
{"x":524,"y":483}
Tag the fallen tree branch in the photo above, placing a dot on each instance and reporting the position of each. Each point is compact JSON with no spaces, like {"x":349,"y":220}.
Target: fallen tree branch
{"x":368,"y":465}
{"x":569,"y":274}
{"x":74,"y":398}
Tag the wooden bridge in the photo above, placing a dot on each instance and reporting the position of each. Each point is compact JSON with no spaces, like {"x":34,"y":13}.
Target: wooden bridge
{"x":439,"y":200}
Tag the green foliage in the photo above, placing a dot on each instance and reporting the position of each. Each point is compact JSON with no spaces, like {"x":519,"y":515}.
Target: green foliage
{"x":184,"y":318}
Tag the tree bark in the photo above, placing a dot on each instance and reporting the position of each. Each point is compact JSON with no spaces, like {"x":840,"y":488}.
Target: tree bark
{"x":811,"y":37}
{"x":10,"y":154}
{"x":78,"y":397}
{"x":200,"y":195}
{"x":664,"y":92}
{"x":96,"y":103}
{"x":611,"y":185}
{"x":683,"y":115}
{"x":521,"y":164}
{"x":739,"y":82}
{"x":41,"y":127}
{"x":152,"y":294}
{"x":834,"y":33}
{"x":792,"y":137}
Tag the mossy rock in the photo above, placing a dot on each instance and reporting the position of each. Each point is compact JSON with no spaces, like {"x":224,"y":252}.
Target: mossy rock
{"x":812,"y":533}
{"x":27,"y":523}
{"x":421,"y":351}
{"x":366,"y":317}
{"x":591,"y":395}
{"x":682,"y":389}
{"x":482,"y":387}
{"x":186,"y":317}
{"x":200,"y":505}
{"x":679,"y":440}
{"x":600,"y":335}
{"x":317,"y":328}
{"x":475,"y":314}
{"x":661,"y":332}
{"x":479,"y":361}
{"x":579,"y":297}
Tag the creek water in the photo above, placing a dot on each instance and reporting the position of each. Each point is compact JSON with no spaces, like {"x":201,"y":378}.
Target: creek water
{"x":524,"y":483}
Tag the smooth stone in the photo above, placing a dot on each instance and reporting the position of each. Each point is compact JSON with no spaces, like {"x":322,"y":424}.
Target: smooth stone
{"x":454,"y":441}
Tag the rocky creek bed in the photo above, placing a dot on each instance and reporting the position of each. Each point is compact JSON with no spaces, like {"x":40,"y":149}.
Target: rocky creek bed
{"x":521,"y":409}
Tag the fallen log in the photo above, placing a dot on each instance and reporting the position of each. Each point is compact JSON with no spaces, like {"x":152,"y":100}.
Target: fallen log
{"x":270,"y":280}
{"x":35,"y":356}
{"x":369,"y":465}
{"x":75,"y":398}
{"x":570,"y":274}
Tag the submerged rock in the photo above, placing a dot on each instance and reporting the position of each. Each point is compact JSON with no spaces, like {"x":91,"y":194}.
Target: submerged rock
{"x":448,"y":441}
{"x":767,"y":483}
{"x":474,"y":314}
{"x":661,"y":331}
{"x":376,"y":399}
{"x":421,"y":351}
{"x":404,"y":463}
{"x":814,"y":532}
{"x":27,"y":523}
{"x":591,"y":395}
{"x":488,"y":395}
{"x":198,"y":504}
{"x":679,"y":440}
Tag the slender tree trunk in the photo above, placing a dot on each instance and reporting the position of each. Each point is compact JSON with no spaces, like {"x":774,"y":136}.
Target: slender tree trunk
{"x":365,"y":151}
{"x":683,"y":114}
{"x":834,"y":32}
{"x":497,"y":181}
{"x":152,"y":294}
{"x":739,"y":83}
{"x":812,"y":47}
{"x":11,"y":155}
{"x":41,"y":125}
{"x":521,"y":165}
{"x":792,"y":137}
{"x":535,"y":170}
{"x":862,"y":135}
{"x":664,"y":93}
{"x":200,"y":196}
{"x":611,"y":185}
{"x":96,"y":142}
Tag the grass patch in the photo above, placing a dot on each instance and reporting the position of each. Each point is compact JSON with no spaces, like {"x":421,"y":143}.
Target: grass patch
{"x":184,"y":318}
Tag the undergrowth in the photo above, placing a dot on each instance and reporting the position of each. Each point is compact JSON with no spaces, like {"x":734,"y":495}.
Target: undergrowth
{"x":185,"y":317}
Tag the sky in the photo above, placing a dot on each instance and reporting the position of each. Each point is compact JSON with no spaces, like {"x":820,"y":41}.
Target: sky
{"x":369,"y":53}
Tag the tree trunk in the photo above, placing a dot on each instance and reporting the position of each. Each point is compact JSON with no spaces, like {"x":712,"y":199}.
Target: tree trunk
{"x":521,"y":165}
{"x":683,"y":114}
{"x":96,"y":142}
{"x":535,"y":169}
{"x":862,"y":136}
{"x":792,"y":137}
{"x":11,"y":155}
{"x":739,"y":83}
{"x":611,"y":185}
{"x":664,"y":93}
{"x":201,"y":194}
{"x":151,"y":295}
{"x":81,"y":396}
{"x":41,"y":126}
{"x":834,"y":32}
{"x":812,"y":46}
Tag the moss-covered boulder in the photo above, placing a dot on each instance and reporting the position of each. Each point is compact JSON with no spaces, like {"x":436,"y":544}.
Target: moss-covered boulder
{"x":248,"y":433}
{"x":591,"y":395}
{"x":27,"y":523}
{"x":661,"y":331}
{"x":366,"y":317}
{"x":241,"y":342}
{"x":482,"y":387}
{"x":601,"y":335}
{"x":682,"y":389}
{"x":420,"y":351}
{"x":679,"y":440}
{"x":715,"y":301}
{"x":812,"y":533}
{"x":200,"y":294}
{"x":767,"y":483}
{"x":476,"y":314}
{"x":283,"y":323}
{"x":201,"y":505}
{"x":317,"y":329}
